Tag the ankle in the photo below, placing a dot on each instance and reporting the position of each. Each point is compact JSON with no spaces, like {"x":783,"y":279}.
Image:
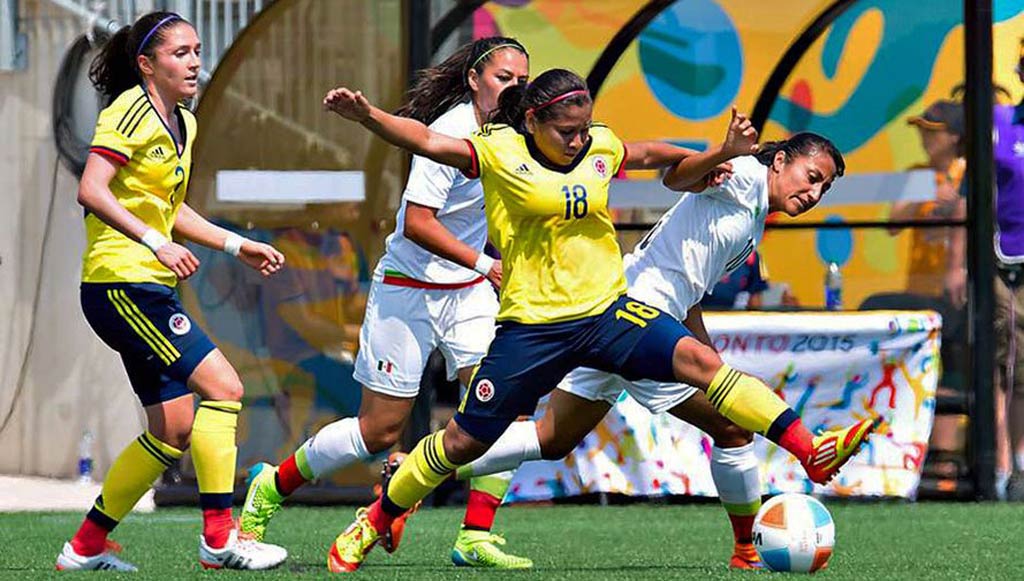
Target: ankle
{"x":90,"y":540}
{"x":217,"y":526}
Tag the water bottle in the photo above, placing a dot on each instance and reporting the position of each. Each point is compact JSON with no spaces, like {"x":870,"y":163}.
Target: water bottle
{"x":85,"y":458}
{"x":833,"y":288}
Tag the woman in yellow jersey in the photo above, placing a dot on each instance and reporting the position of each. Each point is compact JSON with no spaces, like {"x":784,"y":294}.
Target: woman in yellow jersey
{"x":430,"y":290}
{"x":545,"y":168}
{"x":133,"y":191}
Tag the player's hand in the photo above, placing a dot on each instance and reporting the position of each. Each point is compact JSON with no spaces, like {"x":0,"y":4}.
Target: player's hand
{"x":494,"y":275}
{"x":955,"y":282}
{"x":179,"y":259}
{"x":741,"y":138}
{"x":262,"y":257}
{"x":713,"y":178}
{"x":350,"y":105}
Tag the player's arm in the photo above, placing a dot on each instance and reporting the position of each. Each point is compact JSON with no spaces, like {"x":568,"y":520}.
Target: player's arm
{"x":655,"y":154}
{"x":695,"y":323}
{"x":740,"y":139}
{"x":409,"y":134}
{"x":95,"y":196}
{"x":423,"y":228}
{"x":193,"y":227}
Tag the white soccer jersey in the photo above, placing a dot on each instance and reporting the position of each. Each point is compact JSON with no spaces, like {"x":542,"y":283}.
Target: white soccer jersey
{"x":460,"y":204}
{"x":699,"y":240}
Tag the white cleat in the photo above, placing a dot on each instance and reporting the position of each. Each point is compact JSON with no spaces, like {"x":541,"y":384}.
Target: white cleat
{"x":245,"y":554}
{"x":69,"y":560}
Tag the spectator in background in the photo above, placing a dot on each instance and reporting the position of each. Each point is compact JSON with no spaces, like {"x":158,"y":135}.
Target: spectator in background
{"x":1008,"y":154}
{"x":941,"y":129}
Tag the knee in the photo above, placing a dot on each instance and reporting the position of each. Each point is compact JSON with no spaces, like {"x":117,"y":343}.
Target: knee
{"x":380,"y":436}
{"x":177,"y":437}
{"x":695,"y":362}
{"x":552,"y":448}
{"x":729,"y":435}
{"x":230,"y":390}
{"x":461,"y":448}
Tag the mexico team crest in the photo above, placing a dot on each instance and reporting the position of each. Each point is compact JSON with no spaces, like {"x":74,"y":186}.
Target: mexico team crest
{"x":484,"y":390}
{"x":600,"y":166}
{"x":179,"y":324}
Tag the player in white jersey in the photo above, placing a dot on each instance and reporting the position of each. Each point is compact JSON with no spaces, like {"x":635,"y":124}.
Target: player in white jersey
{"x":704,"y":236}
{"x":431,"y":289}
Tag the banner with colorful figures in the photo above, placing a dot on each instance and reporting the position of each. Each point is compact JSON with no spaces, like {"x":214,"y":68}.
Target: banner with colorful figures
{"x":833,"y":369}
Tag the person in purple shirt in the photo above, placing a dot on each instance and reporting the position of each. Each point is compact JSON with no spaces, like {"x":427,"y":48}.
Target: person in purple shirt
{"x":1008,"y":154}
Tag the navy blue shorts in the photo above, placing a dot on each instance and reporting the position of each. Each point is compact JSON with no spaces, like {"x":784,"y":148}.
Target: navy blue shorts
{"x":144,"y":322}
{"x":526,"y":361}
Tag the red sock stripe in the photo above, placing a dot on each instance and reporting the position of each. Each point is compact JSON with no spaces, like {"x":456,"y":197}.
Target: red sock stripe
{"x":217,"y":525}
{"x":289,"y":479}
{"x":380,"y":519}
{"x":480,"y":510}
{"x":90,"y":540}
{"x":742,"y":528}
{"x":798,"y":441}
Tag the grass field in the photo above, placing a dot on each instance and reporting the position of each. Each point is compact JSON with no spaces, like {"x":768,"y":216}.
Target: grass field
{"x":874,"y":541}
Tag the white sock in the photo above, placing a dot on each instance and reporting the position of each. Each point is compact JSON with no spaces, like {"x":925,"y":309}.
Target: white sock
{"x":335,"y":446}
{"x":518,"y":444}
{"x":736,"y":474}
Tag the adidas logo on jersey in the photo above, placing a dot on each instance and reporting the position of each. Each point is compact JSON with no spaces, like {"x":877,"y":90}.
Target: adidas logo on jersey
{"x":157,"y":153}
{"x":523,"y":170}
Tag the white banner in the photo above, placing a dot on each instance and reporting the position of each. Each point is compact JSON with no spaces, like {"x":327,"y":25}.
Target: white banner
{"x":832,"y":368}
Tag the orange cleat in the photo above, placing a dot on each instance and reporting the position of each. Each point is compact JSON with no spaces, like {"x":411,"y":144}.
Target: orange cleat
{"x":834,"y":448}
{"x":745,"y":557}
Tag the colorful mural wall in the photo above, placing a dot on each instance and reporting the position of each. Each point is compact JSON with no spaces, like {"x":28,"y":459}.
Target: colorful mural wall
{"x":878,"y":63}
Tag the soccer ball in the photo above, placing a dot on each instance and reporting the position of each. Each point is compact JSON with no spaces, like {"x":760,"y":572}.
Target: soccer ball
{"x":794,"y":532}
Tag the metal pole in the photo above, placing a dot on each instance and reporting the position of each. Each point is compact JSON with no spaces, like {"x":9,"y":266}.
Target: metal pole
{"x":418,"y":23}
{"x":981,"y":269}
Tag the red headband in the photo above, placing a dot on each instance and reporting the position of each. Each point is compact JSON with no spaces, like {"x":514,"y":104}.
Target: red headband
{"x":561,"y":97}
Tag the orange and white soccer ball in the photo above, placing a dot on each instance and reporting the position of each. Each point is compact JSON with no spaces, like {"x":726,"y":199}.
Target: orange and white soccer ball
{"x":795,"y":533}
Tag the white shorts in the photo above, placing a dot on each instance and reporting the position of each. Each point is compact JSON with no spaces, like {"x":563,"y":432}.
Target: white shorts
{"x":403,"y":325}
{"x":594,"y":385}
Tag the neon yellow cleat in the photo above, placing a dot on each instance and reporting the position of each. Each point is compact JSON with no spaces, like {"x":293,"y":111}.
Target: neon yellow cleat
{"x":834,"y":448}
{"x":482,"y":549}
{"x":351,"y":546}
{"x":262,"y":502}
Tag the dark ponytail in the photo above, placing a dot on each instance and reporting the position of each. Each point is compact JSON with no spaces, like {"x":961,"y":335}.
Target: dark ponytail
{"x":543,"y":95}
{"x":438,"y":89}
{"x":115,"y":68}
{"x":802,"y":144}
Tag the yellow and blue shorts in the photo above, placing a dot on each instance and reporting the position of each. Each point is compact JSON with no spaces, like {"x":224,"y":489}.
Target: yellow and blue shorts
{"x":526,"y":361}
{"x":145,"y":323}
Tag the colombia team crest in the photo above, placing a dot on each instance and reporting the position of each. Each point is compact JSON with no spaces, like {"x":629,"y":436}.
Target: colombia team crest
{"x":601,"y":166}
{"x":179,"y":324}
{"x":484,"y":390}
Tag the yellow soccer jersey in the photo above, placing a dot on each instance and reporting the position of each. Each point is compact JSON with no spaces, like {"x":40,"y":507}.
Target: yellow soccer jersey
{"x":560,"y":257}
{"x":151,"y":184}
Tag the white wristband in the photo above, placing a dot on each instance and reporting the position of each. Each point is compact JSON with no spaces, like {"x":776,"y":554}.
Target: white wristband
{"x":153,"y":240}
{"x":483,"y":264}
{"x":233,"y":244}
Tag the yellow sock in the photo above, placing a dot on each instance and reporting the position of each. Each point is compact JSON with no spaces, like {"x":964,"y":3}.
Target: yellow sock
{"x":132,"y":474}
{"x":421,"y":472}
{"x":214,"y":451}
{"x":745,"y":400}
